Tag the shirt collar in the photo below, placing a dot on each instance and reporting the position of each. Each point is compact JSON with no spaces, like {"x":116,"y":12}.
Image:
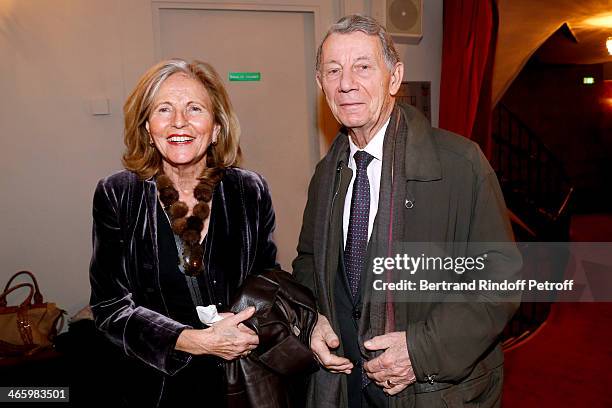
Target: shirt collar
{"x":374,"y":147}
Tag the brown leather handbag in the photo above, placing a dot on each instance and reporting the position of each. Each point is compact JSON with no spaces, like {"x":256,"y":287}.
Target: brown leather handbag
{"x":30,"y":326}
{"x":274,"y":375}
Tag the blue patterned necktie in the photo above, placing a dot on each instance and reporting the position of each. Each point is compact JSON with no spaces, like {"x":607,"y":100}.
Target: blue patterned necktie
{"x":357,"y":236}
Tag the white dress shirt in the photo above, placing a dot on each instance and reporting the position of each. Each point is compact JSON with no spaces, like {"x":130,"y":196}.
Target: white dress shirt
{"x":374,"y":148}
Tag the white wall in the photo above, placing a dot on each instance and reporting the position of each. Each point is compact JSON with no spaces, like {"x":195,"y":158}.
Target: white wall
{"x":423,"y":61}
{"x":56,"y":56}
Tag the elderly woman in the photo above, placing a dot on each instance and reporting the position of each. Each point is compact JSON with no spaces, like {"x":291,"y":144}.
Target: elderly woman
{"x":182,"y":226}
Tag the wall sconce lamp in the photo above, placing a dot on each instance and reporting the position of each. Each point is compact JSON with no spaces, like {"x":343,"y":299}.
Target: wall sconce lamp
{"x":609,"y":45}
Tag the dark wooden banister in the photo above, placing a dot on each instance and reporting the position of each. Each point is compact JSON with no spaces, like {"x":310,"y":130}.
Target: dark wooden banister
{"x":538,"y":193}
{"x":533,"y":179}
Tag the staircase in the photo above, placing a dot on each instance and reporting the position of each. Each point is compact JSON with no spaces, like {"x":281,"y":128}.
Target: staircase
{"x":535,"y":185}
{"x":538,"y":194}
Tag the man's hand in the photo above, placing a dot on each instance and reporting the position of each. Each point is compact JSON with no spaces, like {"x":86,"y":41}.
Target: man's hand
{"x":392,"y":370}
{"x":322,"y":341}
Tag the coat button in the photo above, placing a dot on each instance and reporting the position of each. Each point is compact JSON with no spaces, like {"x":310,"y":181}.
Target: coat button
{"x":356,"y":314}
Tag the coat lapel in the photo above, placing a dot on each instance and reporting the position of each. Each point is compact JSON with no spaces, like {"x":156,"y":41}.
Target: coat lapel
{"x":325,"y":254}
{"x":149,"y":196}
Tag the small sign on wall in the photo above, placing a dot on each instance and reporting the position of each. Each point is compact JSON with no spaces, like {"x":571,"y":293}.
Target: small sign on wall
{"x":417,"y":94}
{"x":245,"y":76}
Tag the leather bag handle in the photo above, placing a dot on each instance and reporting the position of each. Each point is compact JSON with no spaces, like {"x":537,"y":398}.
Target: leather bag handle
{"x":38,"y":298}
{"x":26,"y":302}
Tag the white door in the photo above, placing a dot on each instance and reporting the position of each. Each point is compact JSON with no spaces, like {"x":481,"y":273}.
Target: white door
{"x":278,"y":113}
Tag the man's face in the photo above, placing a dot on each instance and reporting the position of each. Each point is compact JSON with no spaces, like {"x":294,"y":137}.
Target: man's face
{"x":357,"y":84}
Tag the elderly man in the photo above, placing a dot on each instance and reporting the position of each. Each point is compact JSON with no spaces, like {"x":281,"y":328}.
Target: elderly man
{"x":388,"y":178}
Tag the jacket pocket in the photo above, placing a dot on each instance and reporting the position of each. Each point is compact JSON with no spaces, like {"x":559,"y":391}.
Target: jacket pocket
{"x":481,"y":392}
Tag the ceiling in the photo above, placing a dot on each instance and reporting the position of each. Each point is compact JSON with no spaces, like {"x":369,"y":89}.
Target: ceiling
{"x":561,"y":31}
{"x":574,"y":45}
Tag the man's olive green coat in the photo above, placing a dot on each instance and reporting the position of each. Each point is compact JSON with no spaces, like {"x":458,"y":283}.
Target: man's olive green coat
{"x":436,"y":187}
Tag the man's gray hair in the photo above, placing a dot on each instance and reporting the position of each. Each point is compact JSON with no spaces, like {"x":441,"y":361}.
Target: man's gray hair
{"x":369,"y":26}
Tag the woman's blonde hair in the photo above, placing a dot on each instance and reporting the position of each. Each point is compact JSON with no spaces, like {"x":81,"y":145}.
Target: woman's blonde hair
{"x":144,"y":159}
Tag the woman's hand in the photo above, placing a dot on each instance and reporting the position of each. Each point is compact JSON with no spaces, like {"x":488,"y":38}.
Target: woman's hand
{"x":228,"y":338}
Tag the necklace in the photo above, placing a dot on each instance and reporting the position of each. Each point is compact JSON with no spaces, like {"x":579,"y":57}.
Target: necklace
{"x":188,"y":229}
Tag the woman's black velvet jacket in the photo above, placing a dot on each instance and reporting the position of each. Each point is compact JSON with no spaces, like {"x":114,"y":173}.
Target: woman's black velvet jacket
{"x":126,"y":298}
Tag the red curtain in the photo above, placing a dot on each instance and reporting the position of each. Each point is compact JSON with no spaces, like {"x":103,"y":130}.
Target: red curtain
{"x":468,"y":50}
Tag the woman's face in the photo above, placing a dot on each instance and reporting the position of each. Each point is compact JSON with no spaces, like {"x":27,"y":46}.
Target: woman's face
{"x":181,"y":121}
